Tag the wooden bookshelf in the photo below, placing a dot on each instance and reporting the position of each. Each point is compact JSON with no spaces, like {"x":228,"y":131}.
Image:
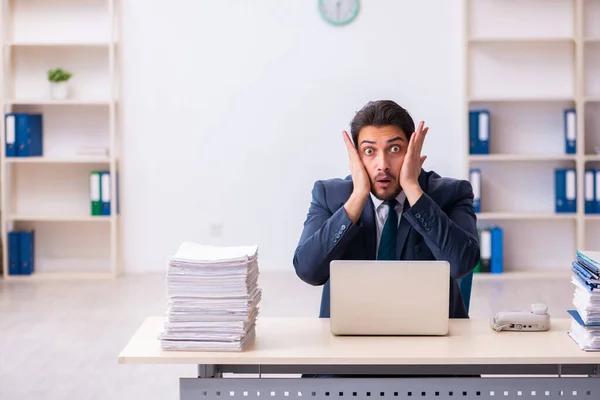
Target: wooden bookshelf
{"x":526,"y":62}
{"x":51,"y":193}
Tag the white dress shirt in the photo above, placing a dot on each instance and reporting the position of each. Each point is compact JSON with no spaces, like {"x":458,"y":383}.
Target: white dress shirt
{"x":381,"y":212}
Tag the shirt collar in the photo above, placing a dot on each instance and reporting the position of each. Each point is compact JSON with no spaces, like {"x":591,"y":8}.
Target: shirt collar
{"x":377,"y":201}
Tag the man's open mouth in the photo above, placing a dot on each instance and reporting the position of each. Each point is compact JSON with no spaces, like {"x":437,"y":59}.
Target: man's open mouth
{"x":383,"y":183}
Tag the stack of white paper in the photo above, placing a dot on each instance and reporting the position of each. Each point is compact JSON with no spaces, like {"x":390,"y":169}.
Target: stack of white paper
{"x":586,"y":302}
{"x":213,"y":297}
{"x":587,"y":337}
{"x":585,"y":323}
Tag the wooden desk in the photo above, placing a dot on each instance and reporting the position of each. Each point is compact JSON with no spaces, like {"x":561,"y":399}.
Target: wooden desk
{"x":305,"y":345}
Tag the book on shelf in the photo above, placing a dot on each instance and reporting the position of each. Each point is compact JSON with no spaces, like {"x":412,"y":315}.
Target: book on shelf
{"x":23,"y":134}
{"x":565,"y":190}
{"x":21,"y":252}
{"x":479,"y":131}
{"x":570,"y":128}
{"x":592,"y":190}
{"x":101,"y":194}
{"x":585,"y":317}
{"x":491,"y":244}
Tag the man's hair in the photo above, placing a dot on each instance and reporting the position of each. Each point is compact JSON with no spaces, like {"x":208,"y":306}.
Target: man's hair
{"x":381,"y":113}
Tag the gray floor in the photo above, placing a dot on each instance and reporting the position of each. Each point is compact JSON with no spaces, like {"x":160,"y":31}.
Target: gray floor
{"x":60,"y":340}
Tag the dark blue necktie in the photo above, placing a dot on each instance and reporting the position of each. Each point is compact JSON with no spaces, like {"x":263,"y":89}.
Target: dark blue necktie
{"x":387,"y":243}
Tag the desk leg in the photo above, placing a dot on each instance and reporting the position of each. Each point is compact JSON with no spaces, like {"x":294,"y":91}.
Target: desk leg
{"x":405,"y":388}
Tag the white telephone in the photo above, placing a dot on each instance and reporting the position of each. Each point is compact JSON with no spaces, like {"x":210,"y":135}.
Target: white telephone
{"x":534,"y":320}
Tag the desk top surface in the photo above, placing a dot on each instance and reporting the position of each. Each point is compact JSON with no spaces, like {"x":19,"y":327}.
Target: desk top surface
{"x":308,"y":341}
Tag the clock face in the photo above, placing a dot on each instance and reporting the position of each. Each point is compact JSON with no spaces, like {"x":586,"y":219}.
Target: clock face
{"x":339,"y":12}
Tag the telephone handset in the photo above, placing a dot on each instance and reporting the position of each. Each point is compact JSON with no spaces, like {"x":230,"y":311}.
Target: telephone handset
{"x":534,"y":320}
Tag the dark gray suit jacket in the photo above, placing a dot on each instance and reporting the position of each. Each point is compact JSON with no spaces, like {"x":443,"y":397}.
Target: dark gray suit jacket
{"x":441,"y":225}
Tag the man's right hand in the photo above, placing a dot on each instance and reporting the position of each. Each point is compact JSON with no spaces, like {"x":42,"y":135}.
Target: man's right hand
{"x":360,"y":179}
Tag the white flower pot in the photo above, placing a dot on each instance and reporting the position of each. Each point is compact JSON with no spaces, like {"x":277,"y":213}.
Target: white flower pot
{"x":59,"y":90}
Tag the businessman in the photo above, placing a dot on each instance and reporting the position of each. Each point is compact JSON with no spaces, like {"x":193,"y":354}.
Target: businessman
{"x":389,"y":208}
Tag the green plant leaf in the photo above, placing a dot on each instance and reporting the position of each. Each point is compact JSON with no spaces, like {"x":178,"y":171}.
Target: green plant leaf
{"x":59,"y":75}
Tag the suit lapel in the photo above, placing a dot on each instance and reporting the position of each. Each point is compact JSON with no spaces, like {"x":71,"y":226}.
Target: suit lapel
{"x":405,"y":226}
{"x":370,"y":229}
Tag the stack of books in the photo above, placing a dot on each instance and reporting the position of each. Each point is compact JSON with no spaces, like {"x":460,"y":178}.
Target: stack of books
{"x":213,"y":297}
{"x":585,"y":323}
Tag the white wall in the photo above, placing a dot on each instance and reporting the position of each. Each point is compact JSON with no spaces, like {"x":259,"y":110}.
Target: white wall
{"x":232,"y":109}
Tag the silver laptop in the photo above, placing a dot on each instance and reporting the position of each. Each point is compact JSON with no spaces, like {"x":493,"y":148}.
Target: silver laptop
{"x":389,"y":297}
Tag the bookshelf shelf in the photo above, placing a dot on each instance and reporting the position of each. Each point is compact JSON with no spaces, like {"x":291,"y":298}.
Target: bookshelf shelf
{"x":521,"y":157}
{"x":522,"y":19}
{"x":518,"y":216}
{"x":59,"y":218}
{"x":58,"y":160}
{"x":89,"y":20}
{"x":531,"y":273}
{"x":59,"y":44}
{"x":526,"y":63}
{"x":520,"y":99}
{"x":62,"y":276}
{"x":51,"y":193}
{"x":529,"y":40}
{"x":50,"y":102}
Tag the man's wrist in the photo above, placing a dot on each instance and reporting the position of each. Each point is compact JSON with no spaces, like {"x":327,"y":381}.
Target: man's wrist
{"x":355,"y":205}
{"x":413,"y":192}
{"x":359,"y":195}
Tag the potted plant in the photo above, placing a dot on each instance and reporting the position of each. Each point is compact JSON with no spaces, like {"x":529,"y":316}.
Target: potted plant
{"x":59,"y":83}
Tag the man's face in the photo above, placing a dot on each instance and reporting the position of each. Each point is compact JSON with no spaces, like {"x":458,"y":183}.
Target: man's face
{"x":382,"y":152}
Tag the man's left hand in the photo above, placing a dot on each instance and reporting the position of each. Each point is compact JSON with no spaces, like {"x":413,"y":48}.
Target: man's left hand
{"x":413,"y":162}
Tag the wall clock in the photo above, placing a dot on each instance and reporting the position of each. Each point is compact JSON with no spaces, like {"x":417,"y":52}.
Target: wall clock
{"x":339,"y":12}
